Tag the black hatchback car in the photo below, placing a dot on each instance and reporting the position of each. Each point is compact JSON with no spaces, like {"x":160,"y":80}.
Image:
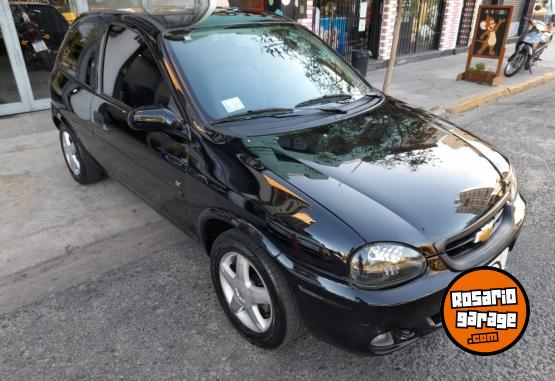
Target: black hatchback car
{"x":320,"y":200}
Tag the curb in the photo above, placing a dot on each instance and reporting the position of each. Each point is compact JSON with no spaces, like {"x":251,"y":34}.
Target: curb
{"x":499,"y":93}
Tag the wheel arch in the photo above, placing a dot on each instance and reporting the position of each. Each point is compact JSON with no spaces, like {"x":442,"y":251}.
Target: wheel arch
{"x":212,"y":222}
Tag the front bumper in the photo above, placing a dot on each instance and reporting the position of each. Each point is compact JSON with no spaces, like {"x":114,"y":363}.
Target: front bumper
{"x":389,"y":318}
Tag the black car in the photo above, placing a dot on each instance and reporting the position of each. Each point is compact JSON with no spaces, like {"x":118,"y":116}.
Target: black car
{"x":320,"y":200}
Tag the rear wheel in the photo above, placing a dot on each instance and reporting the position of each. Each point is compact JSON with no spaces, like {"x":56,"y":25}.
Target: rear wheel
{"x":82,"y":167}
{"x":515,"y":63}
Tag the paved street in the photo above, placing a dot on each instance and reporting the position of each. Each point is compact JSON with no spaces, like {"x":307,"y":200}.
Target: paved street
{"x":116,"y":292}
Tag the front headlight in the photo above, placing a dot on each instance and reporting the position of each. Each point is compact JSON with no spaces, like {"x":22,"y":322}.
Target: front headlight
{"x":381,"y":265}
{"x":512,"y":181}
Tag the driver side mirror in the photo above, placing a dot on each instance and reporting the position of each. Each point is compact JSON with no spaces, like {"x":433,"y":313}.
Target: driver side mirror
{"x":152,"y":119}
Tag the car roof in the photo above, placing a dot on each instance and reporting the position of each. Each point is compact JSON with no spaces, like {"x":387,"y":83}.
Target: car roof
{"x":192,"y":19}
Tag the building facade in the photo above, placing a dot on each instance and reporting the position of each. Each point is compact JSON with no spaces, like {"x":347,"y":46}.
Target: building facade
{"x":429,"y":28}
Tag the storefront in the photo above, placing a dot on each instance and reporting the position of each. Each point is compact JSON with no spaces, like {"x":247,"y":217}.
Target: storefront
{"x":350,"y":25}
{"x":25,"y":66}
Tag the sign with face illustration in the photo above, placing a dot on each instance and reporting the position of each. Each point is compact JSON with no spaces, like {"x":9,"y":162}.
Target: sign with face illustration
{"x":491,"y":30}
{"x":490,"y":37}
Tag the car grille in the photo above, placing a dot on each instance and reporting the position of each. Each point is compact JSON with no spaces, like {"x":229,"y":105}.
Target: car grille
{"x":466,"y":244}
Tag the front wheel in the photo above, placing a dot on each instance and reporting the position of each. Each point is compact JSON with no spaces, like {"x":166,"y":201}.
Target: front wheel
{"x":515,"y":63}
{"x":253,"y":291}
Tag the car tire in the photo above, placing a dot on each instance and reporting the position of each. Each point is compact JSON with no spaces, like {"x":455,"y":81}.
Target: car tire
{"x":285,"y":321}
{"x":82,"y":167}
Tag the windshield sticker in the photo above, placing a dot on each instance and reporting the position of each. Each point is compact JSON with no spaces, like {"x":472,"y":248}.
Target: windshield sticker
{"x":232,"y":104}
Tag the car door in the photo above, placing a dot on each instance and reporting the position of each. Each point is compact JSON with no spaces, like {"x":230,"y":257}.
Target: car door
{"x":152,"y":163}
{"x":75,"y":77}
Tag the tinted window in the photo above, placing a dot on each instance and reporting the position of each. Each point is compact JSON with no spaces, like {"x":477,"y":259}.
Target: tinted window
{"x":79,"y":55}
{"x":130,"y":72}
{"x":253,"y":67}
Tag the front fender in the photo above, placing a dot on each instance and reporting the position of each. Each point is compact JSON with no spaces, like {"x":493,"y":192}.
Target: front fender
{"x":229,"y":218}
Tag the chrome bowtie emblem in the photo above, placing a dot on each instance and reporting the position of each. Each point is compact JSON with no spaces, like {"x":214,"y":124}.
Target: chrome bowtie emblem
{"x":484,"y":233}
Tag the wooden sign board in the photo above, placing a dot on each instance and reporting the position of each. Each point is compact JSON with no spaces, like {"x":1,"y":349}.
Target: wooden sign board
{"x":490,"y":37}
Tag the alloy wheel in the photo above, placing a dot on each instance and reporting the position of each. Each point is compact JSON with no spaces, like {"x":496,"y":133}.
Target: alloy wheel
{"x":245,"y":292}
{"x":70,"y":153}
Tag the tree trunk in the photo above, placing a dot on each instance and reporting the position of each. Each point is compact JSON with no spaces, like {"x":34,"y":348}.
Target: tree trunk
{"x":394,"y":44}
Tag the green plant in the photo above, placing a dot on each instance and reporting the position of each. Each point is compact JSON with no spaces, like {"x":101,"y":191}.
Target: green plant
{"x":480,"y":66}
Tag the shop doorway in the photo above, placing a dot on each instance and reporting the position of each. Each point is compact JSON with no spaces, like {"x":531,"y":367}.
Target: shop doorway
{"x":14,"y":95}
{"x":30,"y":35}
{"x":374,"y":13}
{"x":420,"y":27}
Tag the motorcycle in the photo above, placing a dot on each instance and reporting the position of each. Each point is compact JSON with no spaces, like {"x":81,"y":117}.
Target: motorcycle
{"x":33,"y":42}
{"x":529,"y":48}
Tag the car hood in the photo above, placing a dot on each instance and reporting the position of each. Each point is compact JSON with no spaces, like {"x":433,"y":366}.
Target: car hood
{"x":392,"y":174}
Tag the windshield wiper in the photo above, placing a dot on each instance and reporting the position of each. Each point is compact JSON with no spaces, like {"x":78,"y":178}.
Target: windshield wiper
{"x":333,"y":97}
{"x":325,"y":99}
{"x":253,"y":114}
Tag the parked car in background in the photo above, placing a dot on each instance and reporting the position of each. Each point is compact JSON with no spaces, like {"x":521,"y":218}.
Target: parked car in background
{"x":320,"y":200}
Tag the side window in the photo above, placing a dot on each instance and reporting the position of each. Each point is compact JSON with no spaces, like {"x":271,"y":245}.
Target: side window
{"x":130,"y":72}
{"x":80,"y":52}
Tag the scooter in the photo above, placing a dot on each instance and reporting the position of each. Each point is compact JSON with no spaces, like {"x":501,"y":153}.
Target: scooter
{"x":33,"y":42}
{"x":529,"y":48}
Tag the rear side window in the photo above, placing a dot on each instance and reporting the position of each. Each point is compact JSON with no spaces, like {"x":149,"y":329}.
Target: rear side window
{"x":130,"y":71}
{"x":79,"y":55}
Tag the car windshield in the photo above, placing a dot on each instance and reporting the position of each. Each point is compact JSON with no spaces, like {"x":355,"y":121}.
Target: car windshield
{"x":246,"y":68}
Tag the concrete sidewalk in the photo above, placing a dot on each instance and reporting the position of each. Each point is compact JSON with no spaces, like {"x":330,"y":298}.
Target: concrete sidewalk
{"x":54,"y":232}
{"x":432,"y":84}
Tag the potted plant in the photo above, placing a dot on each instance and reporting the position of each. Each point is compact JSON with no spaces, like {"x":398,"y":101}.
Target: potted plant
{"x":479,"y":73}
